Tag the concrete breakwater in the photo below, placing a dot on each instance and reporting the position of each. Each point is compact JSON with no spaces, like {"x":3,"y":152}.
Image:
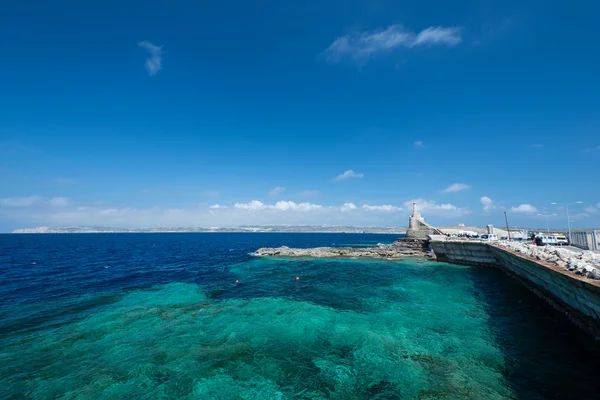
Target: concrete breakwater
{"x":574,"y":295}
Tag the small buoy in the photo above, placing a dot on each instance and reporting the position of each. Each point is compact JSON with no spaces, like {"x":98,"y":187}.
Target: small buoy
{"x":297,"y":278}
{"x":237,"y":281}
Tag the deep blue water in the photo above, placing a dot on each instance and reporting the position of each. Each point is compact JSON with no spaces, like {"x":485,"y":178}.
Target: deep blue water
{"x":161,"y":316}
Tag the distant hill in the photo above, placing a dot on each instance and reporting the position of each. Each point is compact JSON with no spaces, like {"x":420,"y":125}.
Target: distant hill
{"x":246,"y":228}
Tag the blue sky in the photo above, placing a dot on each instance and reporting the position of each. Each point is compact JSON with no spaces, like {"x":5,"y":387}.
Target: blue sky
{"x":339,"y":112}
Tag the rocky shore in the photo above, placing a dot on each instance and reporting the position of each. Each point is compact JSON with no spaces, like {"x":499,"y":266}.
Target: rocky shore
{"x":399,"y":249}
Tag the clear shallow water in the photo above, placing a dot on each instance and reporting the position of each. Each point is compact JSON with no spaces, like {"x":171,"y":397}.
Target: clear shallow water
{"x":160,"y":316}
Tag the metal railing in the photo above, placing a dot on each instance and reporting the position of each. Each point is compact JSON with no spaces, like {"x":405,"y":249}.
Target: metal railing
{"x":587,"y":240}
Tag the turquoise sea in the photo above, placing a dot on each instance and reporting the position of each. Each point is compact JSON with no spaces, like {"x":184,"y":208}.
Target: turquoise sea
{"x":160,"y":316}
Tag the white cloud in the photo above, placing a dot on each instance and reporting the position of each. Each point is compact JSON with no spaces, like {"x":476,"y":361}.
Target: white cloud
{"x":487,"y":203}
{"x":524,"y":208}
{"x":276,"y":191}
{"x":349,"y":174}
{"x":430,"y":207}
{"x":253,"y":205}
{"x":438,"y":36}
{"x":38,"y":211}
{"x":59,"y":202}
{"x":361,"y":46}
{"x":591,"y":209}
{"x":154,"y":60}
{"x":456,"y":187}
{"x":256,"y":205}
{"x":290,"y":205}
{"x":348,"y":207}
{"x":385,"y":208}
{"x":418,"y":144}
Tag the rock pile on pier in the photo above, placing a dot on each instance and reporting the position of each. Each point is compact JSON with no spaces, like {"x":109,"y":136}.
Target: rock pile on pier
{"x":585,"y":263}
{"x":399,"y":249}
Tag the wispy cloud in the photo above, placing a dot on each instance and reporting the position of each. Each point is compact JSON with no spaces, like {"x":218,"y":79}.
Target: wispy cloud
{"x":418,"y":144}
{"x":438,"y":36}
{"x":456,"y":187}
{"x":37,"y":201}
{"x":591,"y":149}
{"x":154,"y":60}
{"x":525,"y":209}
{"x":276,"y":191}
{"x":59,"y":202}
{"x":348,"y":175}
{"x":217,"y":206}
{"x":487,"y":203}
{"x":20,"y":201}
{"x":385,"y":208}
{"x":361,"y":46}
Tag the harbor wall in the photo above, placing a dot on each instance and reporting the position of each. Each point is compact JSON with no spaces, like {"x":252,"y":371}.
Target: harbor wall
{"x":576,"y":297}
{"x":469,"y":253}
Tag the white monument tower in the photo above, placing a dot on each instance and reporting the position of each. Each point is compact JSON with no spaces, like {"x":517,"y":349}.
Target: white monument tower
{"x":415,"y":218}
{"x":417,"y":227}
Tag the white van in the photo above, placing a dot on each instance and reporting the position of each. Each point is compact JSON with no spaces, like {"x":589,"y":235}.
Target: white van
{"x":549,"y":240}
{"x":489,"y":237}
{"x":561,"y":240}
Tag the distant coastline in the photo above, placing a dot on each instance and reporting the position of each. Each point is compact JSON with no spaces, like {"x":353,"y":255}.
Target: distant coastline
{"x":248,"y":228}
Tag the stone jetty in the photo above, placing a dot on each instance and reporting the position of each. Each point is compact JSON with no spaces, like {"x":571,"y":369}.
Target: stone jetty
{"x":399,"y":249}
